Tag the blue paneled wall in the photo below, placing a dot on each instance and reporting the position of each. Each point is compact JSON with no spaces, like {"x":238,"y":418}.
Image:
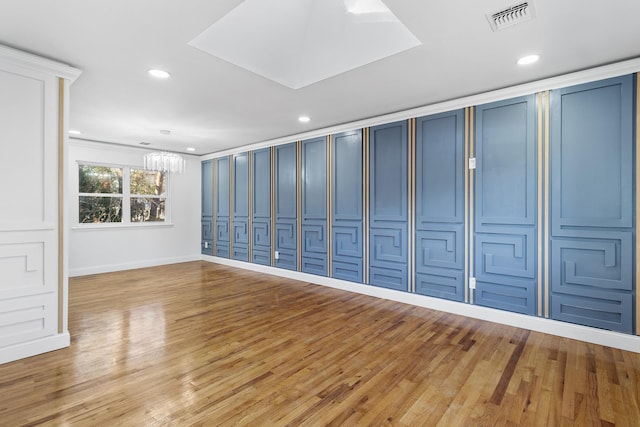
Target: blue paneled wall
{"x":207,"y":207}
{"x":222,"y":207}
{"x":592,"y":222}
{"x":439,"y":236}
{"x":388,"y":207}
{"x":505,"y":205}
{"x":286,"y":196}
{"x":314,"y":206}
{"x":261,"y":207}
{"x":525,"y":205}
{"x":241,"y":207}
{"x":347,"y":203}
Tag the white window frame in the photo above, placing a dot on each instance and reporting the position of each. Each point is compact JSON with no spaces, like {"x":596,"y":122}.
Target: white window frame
{"x":126,"y":199}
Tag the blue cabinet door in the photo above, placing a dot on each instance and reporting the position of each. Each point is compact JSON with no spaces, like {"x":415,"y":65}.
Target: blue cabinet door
{"x":439,"y":239}
{"x":592,"y":227}
{"x":207,"y":207}
{"x":505,"y":241}
{"x":347,"y":206}
{"x":314,"y":206}
{"x":222,"y":207}
{"x":241,"y":207}
{"x":261,"y":207}
{"x":286,"y":199}
{"x":388,"y":206}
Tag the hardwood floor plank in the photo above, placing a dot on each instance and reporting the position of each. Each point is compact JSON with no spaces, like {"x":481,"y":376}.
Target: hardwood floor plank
{"x":205,"y":344}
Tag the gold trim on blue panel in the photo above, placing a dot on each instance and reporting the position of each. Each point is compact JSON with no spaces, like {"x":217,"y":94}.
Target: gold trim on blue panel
{"x":466,"y":205}
{"x":272,"y":161}
{"x":231,"y":190}
{"x":299,"y":202}
{"x":471,"y":198}
{"x":214,"y":225}
{"x":637,"y":202}
{"x":365,"y":204}
{"x":547,"y":206}
{"x":539,"y":210}
{"x":250,"y":210}
{"x":329,"y":236}
{"x":411,"y":268}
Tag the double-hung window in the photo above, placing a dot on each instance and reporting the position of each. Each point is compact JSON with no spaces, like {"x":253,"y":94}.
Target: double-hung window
{"x":121,"y":194}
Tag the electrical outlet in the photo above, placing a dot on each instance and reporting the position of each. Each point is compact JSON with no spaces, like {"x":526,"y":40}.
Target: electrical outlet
{"x":276,"y":255}
{"x":472,"y":282}
{"x":206,"y":245}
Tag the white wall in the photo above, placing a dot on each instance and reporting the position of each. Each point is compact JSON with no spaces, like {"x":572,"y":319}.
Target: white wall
{"x":98,"y":250}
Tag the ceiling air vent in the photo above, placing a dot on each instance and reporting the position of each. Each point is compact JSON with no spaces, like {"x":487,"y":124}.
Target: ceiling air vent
{"x":511,"y":16}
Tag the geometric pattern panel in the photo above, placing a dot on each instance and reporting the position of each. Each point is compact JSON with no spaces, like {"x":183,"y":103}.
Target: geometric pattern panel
{"x":241,"y":232}
{"x":261,"y":207}
{"x":506,"y":255}
{"x":207,"y":208}
{"x":511,"y":295}
{"x":261,"y":234}
{"x":592,"y":264}
{"x":602,"y":309}
{"x":222,"y":250}
{"x":27,"y":318}
{"x":505,"y":205}
{"x":440,"y":246}
{"x":314,"y":247}
{"x":241,"y":252}
{"x":241,"y":185}
{"x":388,"y":205}
{"x":22,"y":265}
{"x":222,"y":230}
{"x":347,"y":239}
{"x":388,"y":244}
{"x":286,"y":236}
{"x":347,"y":205}
{"x":440,"y":283}
{"x":207,"y":235}
{"x":222,"y":190}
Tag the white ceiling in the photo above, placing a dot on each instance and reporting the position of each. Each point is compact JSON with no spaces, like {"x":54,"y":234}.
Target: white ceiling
{"x":212,"y":105}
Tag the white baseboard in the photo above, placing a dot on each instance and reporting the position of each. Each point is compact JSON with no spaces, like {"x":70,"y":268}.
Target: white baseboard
{"x":32,"y":348}
{"x":538,"y":324}
{"x":98,"y":269}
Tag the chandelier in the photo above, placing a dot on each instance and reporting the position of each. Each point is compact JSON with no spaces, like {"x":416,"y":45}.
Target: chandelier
{"x":164,"y":162}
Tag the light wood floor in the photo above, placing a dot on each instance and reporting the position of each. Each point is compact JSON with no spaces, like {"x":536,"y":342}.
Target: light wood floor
{"x":204,"y":344}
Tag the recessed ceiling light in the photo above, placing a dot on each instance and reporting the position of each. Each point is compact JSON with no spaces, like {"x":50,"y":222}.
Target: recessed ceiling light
{"x":145,"y":143}
{"x":303,"y":119}
{"x":529,"y":59}
{"x":191,"y":149}
{"x":74,"y":132}
{"x":165,"y":131}
{"x":161,"y":74}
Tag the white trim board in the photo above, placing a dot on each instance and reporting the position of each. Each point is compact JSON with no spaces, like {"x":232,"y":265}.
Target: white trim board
{"x":99,"y":269}
{"x":35,"y":347}
{"x":538,"y":324}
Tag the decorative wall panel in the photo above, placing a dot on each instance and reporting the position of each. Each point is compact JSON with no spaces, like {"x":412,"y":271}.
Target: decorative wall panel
{"x":592,"y":225}
{"x":207,"y":208}
{"x":314,"y":206}
{"x":241,"y":206}
{"x":347,"y":227}
{"x":261,"y":206}
{"x":388,"y":232}
{"x":439,"y":205}
{"x":286,"y":206}
{"x":505,"y":247}
{"x":222,"y":207}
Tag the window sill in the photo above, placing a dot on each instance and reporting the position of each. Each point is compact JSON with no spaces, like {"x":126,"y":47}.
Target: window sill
{"x":112,"y":226}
